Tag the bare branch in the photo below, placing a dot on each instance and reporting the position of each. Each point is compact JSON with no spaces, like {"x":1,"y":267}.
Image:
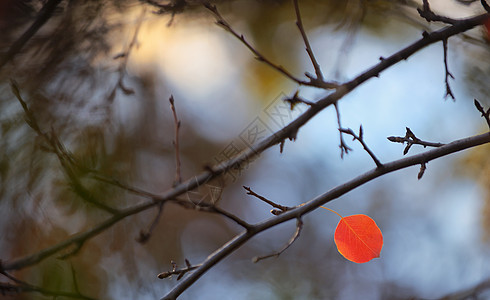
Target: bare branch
{"x":145,"y":235}
{"x":344,"y":148}
{"x":125,"y":58}
{"x":260,"y":57}
{"x":296,"y":99}
{"x":8,"y":289}
{"x":430,"y":16}
{"x":360,"y":138}
{"x":485,"y":5}
{"x":288,"y":131}
{"x":299,"y":226}
{"x":281,"y":208}
{"x":448,"y":74}
{"x":311,"y":205}
{"x":230,"y":216}
{"x":299,"y":23}
{"x":178,"y":176}
{"x":411,"y":139}
{"x":179,"y":272}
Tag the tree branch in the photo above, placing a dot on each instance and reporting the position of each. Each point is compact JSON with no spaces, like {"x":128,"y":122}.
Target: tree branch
{"x":299,"y":226}
{"x":178,"y":176}
{"x":125,"y":58}
{"x":411,"y":139}
{"x":448,"y":74}
{"x":286,"y":132}
{"x":280,"y":208}
{"x":484,"y":114}
{"x":299,"y":23}
{"x":8,"y":289}
{"x":360,"y":139}
{"x":315,"y":82}
{"x":320,"y":200}
{"x":430,"y":16}
{"x":344,"y":148}
{"x":43,"y":16}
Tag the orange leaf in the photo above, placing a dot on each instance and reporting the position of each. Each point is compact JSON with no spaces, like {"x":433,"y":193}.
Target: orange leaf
{"x":358,"y":238}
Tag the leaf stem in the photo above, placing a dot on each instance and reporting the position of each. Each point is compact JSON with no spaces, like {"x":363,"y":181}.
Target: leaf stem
{"x":332,"y":211}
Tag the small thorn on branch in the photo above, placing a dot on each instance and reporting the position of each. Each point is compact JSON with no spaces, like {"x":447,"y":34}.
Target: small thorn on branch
{"x":423,"y":167}
{"x":299,"y":226}
{"x":281,"y":146}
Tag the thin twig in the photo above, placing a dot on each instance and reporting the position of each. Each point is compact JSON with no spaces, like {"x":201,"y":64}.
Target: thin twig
{"x":115,"y":182}
{"x":125,"y":58}
{"x":44,"y":15}
{"x":210,"y":208}
{"x":360,"y":138}
{"x":296,"y":99}
{"x":20,"y":286}
{"x":260,"y":57}
{"x":411,"y":139}
{"x":430,"y":16}
{"x":178,"y":176}
{"x":177,"y":271}
{"x":448,"y":74}
{"x":299,"y":226}
{"x":230,"y":216}
{"x":309,"y":50}
{"x":484,"y":114}
{"x":282,"y":208}
{"x":145,"y":235}
{"x":344,"y":148}
{"x":485,"y":5}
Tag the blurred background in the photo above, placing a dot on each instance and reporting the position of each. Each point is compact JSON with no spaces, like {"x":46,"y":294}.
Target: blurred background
{"x":98,"y":76}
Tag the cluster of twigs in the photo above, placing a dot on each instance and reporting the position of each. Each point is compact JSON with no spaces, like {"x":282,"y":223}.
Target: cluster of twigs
{"x":336,"y":91}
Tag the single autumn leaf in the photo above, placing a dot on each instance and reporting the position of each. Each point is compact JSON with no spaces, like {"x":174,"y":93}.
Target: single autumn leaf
{"x":358,"y":238}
